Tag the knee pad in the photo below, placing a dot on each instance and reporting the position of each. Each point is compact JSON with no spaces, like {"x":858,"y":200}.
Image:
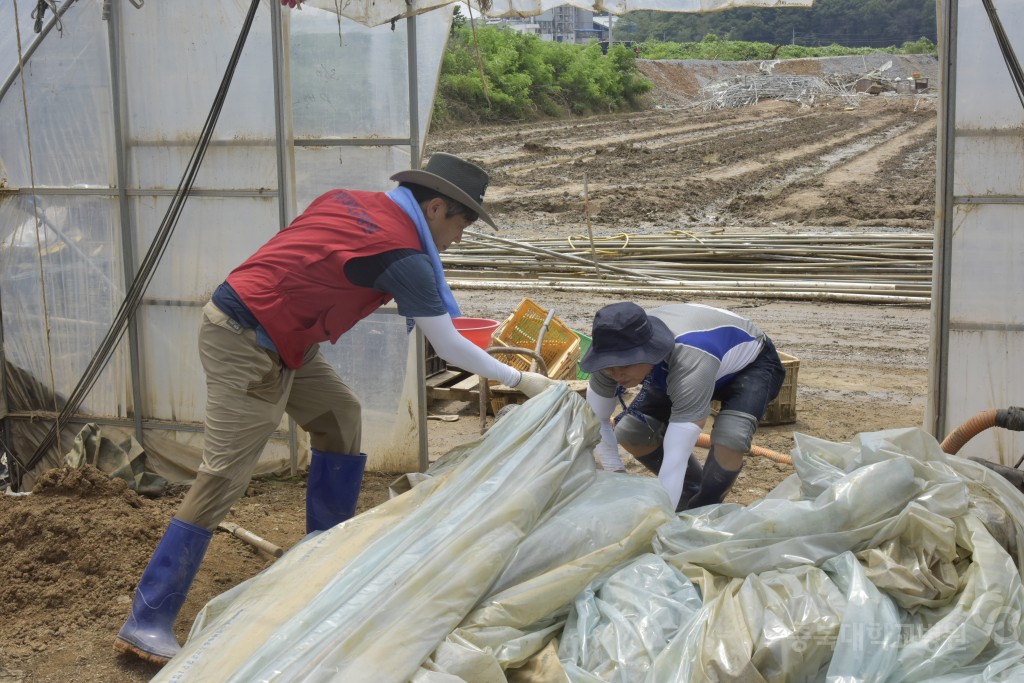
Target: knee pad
{"x":734,"y":430}
{"x":632,"y":431}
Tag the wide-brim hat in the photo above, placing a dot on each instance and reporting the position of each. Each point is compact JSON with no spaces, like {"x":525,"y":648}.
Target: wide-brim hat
{"x":455,"y":178}
{"x":623,"y":334}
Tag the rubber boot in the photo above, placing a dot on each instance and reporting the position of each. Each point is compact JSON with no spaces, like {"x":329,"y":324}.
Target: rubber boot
{"x":715,"y":483}
{"x":652,"y":461}
{"x":332,"y":490}
{"x":149,"y":631}
{"x":691,"y":482}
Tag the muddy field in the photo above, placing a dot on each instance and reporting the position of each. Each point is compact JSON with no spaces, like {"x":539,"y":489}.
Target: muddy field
{"x":71,"y":553}
{"x":850,"y":162}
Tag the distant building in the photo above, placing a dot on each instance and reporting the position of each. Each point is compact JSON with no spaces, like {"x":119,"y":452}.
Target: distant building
{"x":522,"y":25}
{"x":566,"y":24}
{"x":562,"y":24}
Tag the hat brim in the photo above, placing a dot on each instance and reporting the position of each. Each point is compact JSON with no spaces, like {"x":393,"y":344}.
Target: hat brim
{"x":448,"y":189}
{"x":655,"y":350}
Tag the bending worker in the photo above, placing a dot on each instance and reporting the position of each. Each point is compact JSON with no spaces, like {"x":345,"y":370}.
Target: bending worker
{"x":346,"y":255}
{"x":682,"y":356}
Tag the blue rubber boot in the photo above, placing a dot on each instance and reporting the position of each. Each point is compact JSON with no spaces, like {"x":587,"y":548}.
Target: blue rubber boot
{"x":715,"y":484}
{"x":332,"y":490}
{"x":149,"y":631}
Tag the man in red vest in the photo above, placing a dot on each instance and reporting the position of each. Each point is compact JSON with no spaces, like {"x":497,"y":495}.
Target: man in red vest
{"x":346,"y":255}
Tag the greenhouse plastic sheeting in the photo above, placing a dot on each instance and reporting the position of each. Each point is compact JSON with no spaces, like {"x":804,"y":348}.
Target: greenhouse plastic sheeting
{"x":935,"y":560}
{"x":380,"y":11}
{"x":882,"y":559}
{"x":95,"y":135}
{"x":414,"y":567}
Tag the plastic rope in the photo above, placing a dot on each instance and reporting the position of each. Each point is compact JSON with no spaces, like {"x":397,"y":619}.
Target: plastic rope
{"x":621,"y":235}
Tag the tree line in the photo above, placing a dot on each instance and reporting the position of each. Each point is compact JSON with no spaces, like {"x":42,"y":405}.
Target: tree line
{"x":851,"y":23}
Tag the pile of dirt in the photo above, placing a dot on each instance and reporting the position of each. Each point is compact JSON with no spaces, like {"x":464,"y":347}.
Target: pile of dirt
{"x":72,"y":552}
{"x":66,"y":551}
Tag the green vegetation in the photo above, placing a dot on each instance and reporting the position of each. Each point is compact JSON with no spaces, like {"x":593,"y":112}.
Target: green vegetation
{"x":711,"y":47}
{"x":528,"y":78}
{"x":856,"y":23}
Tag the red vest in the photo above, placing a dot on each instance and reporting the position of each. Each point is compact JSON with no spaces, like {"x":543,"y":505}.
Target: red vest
{"x":295,"y":284}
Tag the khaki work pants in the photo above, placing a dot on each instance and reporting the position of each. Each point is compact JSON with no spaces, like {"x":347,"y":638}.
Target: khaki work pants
{"x":248,"y":390}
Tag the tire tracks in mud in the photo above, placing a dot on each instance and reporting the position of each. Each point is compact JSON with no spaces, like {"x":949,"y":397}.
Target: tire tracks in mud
{"x":774,"y":162}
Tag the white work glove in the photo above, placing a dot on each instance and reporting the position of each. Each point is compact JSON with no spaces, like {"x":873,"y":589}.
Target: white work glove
{"x":533,"y":383}
{"x":608,"y":454}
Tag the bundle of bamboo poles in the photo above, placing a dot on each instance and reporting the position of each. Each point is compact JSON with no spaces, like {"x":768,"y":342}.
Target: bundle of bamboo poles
{"x":894,"y":268}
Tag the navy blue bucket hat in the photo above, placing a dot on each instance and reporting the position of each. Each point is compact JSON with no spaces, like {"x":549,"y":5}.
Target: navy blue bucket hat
{"x":623,"y":334}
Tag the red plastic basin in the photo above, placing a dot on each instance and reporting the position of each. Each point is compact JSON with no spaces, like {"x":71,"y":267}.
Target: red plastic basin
{"x":476,"y":330}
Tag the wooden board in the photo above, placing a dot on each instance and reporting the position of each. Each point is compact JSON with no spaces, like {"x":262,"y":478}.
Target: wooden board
{"x":459,"y":385}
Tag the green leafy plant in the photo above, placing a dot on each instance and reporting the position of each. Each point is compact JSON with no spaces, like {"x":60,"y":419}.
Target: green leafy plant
{"x":528,"y":78}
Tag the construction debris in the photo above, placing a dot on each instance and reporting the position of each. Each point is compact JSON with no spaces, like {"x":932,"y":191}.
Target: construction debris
{"x":806,"y":81}
{"x":751,"y":90}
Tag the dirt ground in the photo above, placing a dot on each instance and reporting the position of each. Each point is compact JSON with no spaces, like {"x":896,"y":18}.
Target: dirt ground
{"x":71,"y":552}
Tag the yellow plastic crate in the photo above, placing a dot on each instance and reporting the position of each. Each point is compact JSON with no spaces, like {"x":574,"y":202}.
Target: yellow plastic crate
{"x":560,"y":347}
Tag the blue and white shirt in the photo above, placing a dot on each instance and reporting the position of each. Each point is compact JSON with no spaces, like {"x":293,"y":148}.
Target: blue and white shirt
{"x":712,"y":345}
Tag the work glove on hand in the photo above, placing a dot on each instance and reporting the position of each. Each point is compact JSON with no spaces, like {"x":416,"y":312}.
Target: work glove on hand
{"x":608,"y":454}
{"x":533,"y":383}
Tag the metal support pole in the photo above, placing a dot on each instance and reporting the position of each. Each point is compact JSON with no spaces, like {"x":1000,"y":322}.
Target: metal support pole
{"x":414,"y":162}
{"x":414,"y":94}
{"x":119,"y":110}
{"x":938,"y":385}
{"x":285,"y":164}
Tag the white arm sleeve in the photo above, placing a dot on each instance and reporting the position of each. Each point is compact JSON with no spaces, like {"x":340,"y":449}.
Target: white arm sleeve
{"x":608,"y":450}
{"x":459,"y":351}
{"x":680,"y":438}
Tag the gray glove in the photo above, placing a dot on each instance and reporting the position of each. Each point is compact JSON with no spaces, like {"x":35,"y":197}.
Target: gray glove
{"x":534,"y":383}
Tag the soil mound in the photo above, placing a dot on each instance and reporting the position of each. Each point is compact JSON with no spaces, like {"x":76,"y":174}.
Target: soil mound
{"x":66,"y":551}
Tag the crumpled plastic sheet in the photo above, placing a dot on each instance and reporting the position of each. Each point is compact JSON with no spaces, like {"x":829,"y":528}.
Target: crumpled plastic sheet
{"x":125,"y":459}
{"x":609,"y":522}
{"x":881,"y":560}
{"x":875,"y":562}
{"x":372,"y":598}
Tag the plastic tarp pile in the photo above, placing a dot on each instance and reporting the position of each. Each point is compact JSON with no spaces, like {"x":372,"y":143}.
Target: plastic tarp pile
{"x":879,"y":560}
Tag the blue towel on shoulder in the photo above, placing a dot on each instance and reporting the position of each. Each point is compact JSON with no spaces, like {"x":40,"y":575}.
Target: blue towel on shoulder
{"x":403,"y":197}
